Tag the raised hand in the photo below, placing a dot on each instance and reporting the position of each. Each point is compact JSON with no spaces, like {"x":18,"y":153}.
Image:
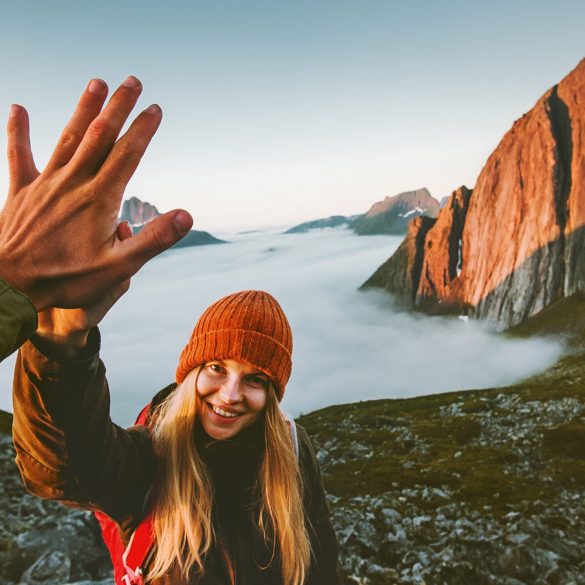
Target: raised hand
{"x":58,"y":240}
{"x":69,"y":328}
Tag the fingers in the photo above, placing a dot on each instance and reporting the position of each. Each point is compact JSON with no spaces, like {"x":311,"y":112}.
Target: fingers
{"x":124,"y":231}
{"x":156,"y":237}
{"x":127,"y":152}
{"x":88,"y":107}
{"x":21,"y":166}
{"x":104,"y":129}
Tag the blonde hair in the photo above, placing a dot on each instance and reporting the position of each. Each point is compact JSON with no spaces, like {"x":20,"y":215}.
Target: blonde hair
{"x":184,"y":494}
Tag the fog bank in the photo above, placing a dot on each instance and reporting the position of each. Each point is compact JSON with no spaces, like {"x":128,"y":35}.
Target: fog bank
{"x":348,"y":345}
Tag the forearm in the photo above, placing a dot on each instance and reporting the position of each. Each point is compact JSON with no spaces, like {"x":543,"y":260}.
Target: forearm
{"x":67,"y":447}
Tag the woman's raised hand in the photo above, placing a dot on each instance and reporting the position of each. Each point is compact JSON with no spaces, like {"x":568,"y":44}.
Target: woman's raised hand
{"x":58,"y":240}
{"x":69,"y":328}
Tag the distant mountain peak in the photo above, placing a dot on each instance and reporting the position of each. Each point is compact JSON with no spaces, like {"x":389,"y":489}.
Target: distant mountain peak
{"x":138,"y":212}
{"x":420,"y":198}
{"x":393,"y":214}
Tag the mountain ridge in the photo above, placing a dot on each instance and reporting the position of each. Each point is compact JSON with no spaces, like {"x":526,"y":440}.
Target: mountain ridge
{"x":522,"y":235}
{"x":391,"y":215}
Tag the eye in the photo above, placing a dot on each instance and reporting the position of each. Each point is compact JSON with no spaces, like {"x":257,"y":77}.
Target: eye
{"x":216,"y":368}
{"x":258,"y":380}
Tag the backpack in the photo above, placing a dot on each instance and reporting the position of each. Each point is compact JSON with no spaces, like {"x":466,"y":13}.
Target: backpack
{"x":128,"y":561}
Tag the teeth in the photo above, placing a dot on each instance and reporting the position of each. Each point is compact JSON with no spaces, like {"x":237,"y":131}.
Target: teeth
{"x":223,"y":412}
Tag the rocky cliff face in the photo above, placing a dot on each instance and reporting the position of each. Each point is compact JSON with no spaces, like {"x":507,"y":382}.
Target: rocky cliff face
{"x":138,"y":212}
{"x":392,"y":215}
{"x":522,"y":229}
{"x":401,"y":273}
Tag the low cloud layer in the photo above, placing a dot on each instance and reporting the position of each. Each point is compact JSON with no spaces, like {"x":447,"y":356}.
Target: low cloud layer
{"x":348,"y":345}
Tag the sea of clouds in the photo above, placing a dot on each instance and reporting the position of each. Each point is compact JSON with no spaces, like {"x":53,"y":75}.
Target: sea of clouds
{"x":348,"y":345}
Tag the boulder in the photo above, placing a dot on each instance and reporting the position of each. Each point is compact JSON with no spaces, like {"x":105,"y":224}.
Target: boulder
{"x":52,"y":568}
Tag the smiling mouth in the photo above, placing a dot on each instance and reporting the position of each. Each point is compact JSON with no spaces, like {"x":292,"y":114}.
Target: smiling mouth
{"x":223,"y":413}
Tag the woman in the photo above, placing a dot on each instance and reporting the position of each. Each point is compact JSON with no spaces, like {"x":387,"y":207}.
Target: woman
{"x":215,"y":470}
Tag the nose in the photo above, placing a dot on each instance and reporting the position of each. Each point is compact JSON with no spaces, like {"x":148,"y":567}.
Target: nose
{"x":230,"y":391}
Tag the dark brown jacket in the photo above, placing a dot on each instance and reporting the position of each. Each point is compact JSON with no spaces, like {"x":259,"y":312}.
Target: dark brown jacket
{"x":68,"y":449}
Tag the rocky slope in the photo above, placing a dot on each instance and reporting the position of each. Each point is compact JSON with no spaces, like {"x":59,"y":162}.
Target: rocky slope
{"x":139,"y":213}
{"x":392,"y":215}
{"x":42,"y":542}
{"x":514,"y":245}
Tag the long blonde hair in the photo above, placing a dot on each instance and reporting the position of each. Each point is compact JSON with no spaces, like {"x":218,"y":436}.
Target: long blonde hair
{"x":184,"y":493}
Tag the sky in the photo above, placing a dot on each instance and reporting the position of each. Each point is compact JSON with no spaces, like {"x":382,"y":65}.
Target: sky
{"x":347,"y":345}
{"x":279,"y":112}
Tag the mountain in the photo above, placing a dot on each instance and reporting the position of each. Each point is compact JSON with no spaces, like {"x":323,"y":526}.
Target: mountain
{"x":513,"y":245}
{"x":333,"y":221}
{"x":392,"y":215}
{"x":139,"y":213}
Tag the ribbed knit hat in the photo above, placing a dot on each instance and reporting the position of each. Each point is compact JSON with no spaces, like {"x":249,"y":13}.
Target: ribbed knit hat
{"x":250,"y":326}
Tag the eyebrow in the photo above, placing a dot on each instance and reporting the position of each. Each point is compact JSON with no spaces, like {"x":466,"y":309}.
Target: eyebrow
{"x":254,"y":373}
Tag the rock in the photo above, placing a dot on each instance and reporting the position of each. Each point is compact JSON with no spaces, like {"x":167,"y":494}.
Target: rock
{"x":71,"y":534}
{"x":401,"y":274}
{"x":393,"y":214}
{"x":52,"y":568}
{"x":521,"y":229}
{"x":138,"y":212}
{"x":104,"y":582}
{"x":442,"y":258}
{"x":32,"y":528}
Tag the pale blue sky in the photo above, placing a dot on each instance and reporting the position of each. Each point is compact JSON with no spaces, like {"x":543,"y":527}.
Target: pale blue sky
{"x":276,"y":112}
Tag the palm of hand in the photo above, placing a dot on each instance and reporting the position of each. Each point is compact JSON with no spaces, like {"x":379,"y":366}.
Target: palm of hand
{"x":65,"y":322}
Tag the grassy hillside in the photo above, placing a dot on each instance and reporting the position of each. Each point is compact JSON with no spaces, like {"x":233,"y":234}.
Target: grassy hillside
{"x":476,"y":486}
{"x":450,"y":441}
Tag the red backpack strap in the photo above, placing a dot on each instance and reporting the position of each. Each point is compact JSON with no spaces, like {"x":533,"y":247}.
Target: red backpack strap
{"x":137,"y":550}
{"x":128,"y":561}
{"x":142,"y":417}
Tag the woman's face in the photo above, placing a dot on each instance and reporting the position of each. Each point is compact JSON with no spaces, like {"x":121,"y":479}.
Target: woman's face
{"x":232,"y":395}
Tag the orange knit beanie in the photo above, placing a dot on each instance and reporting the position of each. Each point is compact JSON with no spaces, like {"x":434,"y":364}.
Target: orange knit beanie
{"x":249,"y":326}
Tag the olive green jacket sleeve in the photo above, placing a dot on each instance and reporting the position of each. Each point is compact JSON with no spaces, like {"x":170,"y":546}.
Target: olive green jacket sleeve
{"x":18,"y":319}
{"x":67,"y":447}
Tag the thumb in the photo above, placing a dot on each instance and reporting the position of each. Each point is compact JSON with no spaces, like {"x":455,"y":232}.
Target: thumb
{"x":156,"y":237}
